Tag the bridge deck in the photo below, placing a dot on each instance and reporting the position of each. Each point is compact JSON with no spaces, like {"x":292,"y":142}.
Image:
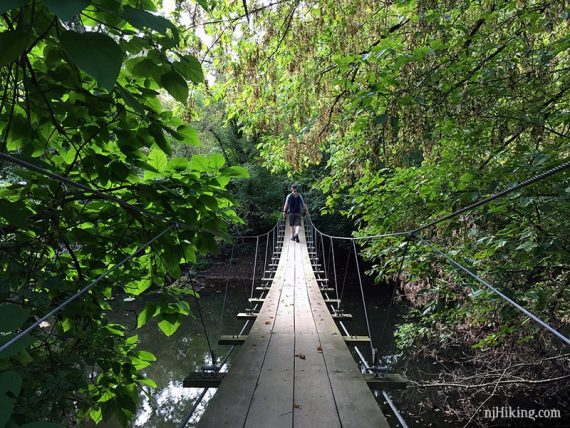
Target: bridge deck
{"x":294,"y":369}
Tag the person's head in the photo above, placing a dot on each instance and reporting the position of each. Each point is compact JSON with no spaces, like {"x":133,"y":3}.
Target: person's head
{"x":294,"y":188}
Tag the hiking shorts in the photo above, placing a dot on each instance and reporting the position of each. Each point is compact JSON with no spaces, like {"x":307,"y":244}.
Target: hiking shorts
{"x":294,"y":219}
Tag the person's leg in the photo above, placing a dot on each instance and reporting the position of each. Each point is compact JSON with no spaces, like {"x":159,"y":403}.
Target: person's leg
{"x":297,"y":226}
{"x":292,"y":225}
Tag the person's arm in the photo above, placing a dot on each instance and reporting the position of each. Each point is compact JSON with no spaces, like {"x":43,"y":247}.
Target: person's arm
{"x":305,"y":205}
{"x":286,"y":206}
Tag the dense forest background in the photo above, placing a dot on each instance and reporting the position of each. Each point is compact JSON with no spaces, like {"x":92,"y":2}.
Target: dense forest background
{"x":388,"y":114}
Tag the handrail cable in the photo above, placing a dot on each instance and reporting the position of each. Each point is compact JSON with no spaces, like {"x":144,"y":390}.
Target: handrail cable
{"x":394,"y":409}
{"x":496,"y":291}
{"x":88,"y":287}
{"x":562,"y":167}
{"x":226,"y":290}
{"x":83,"y":187}
{"x":363,"y":300}
{"x":193,"y":409}
{"x":99,"y":193}
{"x":254,"y":267}
{"x":197,"y":300}
{"x":334,"y":270}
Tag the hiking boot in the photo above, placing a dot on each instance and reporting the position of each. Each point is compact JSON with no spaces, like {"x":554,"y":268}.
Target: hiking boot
{"x":297,"y":238}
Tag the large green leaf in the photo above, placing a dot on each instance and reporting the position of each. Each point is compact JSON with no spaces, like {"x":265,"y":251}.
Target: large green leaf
{"x":142,"y":19}
{"x":190,"y":136}
{"x":12,"y":316}
{"x":176,"y":86}
{"x":190,"y":68}
{"x":12,"y":45}
{"x":158,"y":160}
{"x":66,"y":9}
{"x":169,"y":324}
{"x":95,"y":53}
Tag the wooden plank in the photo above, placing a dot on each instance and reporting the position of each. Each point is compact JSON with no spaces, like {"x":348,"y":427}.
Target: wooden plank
{"x":247,"y":315}
{"x":232,"y":339}
{"x":355,"y":340}
{"x":326,"y":290}
{"x":331,"y":300}
{"x":228,"y":408}
{"x":356,"y":406}
{"x":388,"y":381}
{"x":342,"y":316}
{"x":256,"y":300}
{"x":313,"y":393}
{"x":262,"y":288}
{"x":199,"y":380}
{"x":272,"y":402}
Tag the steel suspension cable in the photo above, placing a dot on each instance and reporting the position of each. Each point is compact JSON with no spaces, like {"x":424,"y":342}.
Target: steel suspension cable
{"x":499,"y":293}
{"x":254,"y":267}
{"x":226,"y":290}
{"x":84,"y":289}
{"x":363,"y":299}
{"x":102,"y":195}
{"x":562,"y":167}
{"x":334,"y":270}
{"x":197,"y":300}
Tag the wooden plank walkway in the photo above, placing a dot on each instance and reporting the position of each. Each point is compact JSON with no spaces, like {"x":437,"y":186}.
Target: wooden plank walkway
{"x":294,"y":368}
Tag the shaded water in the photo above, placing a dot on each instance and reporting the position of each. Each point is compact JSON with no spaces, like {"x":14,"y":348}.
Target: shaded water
{"x":187,"y":350}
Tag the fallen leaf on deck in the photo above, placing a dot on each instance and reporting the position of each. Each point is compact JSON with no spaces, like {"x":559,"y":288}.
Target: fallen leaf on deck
{"x":319,"y":349}
{"x":300,"y":355}
{"x":297,"y":406}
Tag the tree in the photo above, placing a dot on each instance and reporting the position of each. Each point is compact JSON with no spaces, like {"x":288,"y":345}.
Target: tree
{"x":80,"y":98}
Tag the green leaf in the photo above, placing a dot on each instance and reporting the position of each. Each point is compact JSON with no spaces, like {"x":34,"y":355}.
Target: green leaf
{"x":6,"y":5}
{"x":66,"y":9}
{"x":142,"y":19}
{"x":236,"y":172}
{"x":146,"y":356}
{"x":203,"y":3}
{"x":12,"y":317}
{"x":170,"y":324}
{"x":13,"y":45}
{"x":158,"y":160}
{"x":16,"y":347}
{"x":147,"y":313}
{"x":190,"y":135}
{"x":199,"y":163}
{"x":179,"y":164}
{"x":137,"y":287}
{"x":216,"y":160}
{"x":95,"y":53}
{"x":176,"y":86}
{"x":10,"y":382}
{"x":190,"y":68}
{"x":148,"y":382}
{"x":96,"y":415}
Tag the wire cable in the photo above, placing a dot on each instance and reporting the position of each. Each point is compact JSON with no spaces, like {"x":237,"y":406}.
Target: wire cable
{"x":84,"y":289}
{"x":197,"y":300}
{"x":562,"y":167}
{"x":363,"y":300}
{"x":499,"y":293}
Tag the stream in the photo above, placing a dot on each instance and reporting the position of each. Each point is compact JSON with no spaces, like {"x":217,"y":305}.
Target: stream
{"x":187,"y":350}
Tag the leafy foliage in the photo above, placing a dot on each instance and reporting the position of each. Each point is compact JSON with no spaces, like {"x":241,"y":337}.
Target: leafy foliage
{"x":79,"y":96}
{"x":418,"y":108}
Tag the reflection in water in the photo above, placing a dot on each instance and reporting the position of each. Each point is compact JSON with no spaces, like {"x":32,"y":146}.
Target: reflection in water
{"x":187,"y":351}
{"x":184,"y":352}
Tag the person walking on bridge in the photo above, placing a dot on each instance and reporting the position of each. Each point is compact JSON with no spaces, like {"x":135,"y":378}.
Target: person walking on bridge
{"x":292,"y":206}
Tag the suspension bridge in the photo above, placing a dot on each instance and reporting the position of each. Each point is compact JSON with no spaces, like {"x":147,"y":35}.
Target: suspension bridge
{"x":295,"y":367}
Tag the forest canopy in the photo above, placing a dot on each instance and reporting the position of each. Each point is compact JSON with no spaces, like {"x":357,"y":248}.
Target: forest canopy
{"x":394,"y":112}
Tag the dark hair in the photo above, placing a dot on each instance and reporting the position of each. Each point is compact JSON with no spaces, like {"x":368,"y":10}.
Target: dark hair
{"x":293,"y":186}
